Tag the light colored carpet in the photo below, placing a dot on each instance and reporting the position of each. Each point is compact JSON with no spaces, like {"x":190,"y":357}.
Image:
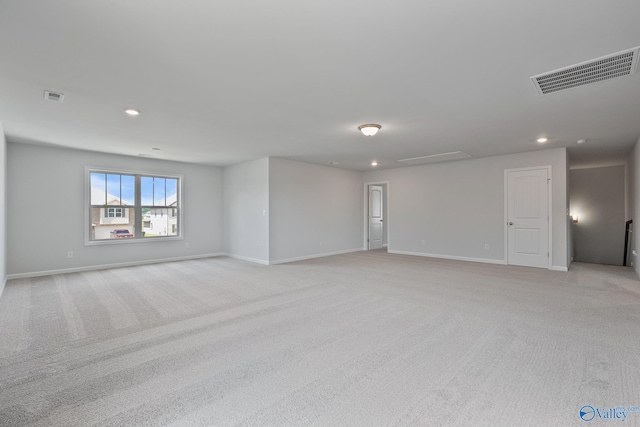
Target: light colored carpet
{"x":364,"y":339}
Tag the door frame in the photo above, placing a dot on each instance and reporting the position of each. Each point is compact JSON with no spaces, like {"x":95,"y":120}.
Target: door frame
{"x":549,"y":207}
{"x":365,"y":240}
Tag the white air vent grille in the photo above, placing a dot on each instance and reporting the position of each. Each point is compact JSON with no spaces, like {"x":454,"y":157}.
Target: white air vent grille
{"x":53,"y":96}
{"x":444,"y":157}
{"x":605,"y":68}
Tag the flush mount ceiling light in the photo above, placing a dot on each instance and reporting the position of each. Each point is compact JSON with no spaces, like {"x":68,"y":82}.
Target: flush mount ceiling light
{"x":541,"y":140}
{"x":369,"y":130}
{"x":374,"y":163}
{"x":132,"y":112}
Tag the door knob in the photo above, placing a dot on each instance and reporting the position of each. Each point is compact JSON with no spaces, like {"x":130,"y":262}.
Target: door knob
{"x":510,"y":223}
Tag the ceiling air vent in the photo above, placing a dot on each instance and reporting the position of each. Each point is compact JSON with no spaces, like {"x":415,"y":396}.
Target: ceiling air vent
{"x":444,"y":157}
{"x":604,"y":68}
{"x":53,"y":96}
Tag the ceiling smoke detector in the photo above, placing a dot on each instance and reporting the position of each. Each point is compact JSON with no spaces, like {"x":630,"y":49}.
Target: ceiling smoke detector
{"x":604,"y":68}
{"x":53,"y":96}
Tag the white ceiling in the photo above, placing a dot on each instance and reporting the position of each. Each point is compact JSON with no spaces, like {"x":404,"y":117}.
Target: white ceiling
{"x":220,"y":82}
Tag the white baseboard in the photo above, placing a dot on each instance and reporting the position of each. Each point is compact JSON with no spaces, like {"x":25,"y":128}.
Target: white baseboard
{"x":451,"y":257}
{"x":557,"y":268}
{"x":302,"y":258}
{"x":245,"y":258}
{"x":105,"y":266}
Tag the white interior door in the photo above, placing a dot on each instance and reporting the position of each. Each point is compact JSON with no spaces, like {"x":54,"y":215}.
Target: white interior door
{"x":528,"y":218}
{"x":375,"y":216}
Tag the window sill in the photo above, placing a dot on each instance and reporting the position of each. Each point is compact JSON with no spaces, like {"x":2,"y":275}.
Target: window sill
{"x":131,"y":241}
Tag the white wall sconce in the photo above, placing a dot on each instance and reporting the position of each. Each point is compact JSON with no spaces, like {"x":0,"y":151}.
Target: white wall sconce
{"x":574,"y":218}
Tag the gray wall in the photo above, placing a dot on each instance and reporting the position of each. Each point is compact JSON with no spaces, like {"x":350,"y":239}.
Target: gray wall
{"x":3,"y":209}
{"x":634,"y":183}
{"x":598,"y":198}
{"x":46,"y":211}
{"x":458,"y":207}
{"x":314,"y":210}
{"x":310,"y":210}
{"x":246,"y":210}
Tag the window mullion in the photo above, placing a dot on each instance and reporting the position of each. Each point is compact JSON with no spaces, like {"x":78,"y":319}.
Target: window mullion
{"x":138,"y":207}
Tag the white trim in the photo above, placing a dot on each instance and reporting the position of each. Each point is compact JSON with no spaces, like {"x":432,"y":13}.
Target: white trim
{"x":136,"y":205}
{"x":549,"y":213}
{"x":451,"y":257}
{"x":558,"y":268}
{"x":106,"y":266}
{"x":245,"y":258}
{"x":302,"y":258}
{"x":4,"y":282}
{"x":365,"y":245}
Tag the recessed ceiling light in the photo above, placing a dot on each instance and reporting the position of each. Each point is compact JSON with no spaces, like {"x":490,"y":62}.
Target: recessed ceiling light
{"x":374,"y":163}
{"x":334,"y":163}
{"x":581,"y":141}
{"x":155,"y":149}
{"x":369,"y":130}
{"x":541,"y":140}
{"x":132,"y":112}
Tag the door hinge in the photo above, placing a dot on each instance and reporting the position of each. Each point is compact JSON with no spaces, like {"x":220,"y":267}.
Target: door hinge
{"x":547,"y":254}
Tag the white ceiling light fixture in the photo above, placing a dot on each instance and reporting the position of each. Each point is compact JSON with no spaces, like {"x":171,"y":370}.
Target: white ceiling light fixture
{"x":581,"y":141}
{"x":374,"y":163}
{"x":369,"y":130}
{"x":132,"y":112}
{"x":541,"y":140}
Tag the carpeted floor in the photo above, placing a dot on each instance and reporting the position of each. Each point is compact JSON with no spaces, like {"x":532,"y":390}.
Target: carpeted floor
{"x":364,"y":339}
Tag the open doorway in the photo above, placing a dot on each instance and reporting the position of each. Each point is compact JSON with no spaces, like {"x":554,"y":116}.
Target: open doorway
{"x":376,"y":216}
{"x":597,"y":200}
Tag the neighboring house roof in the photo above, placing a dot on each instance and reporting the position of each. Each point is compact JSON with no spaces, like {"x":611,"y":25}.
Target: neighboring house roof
{"x":98,"y":197}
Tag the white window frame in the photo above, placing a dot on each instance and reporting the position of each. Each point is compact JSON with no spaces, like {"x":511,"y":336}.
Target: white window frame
{"x":137,"y":206}
{"x":117,"y":210}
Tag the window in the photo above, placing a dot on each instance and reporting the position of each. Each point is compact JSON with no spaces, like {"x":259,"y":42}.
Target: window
{"x":132,"y":207}
{"x":115,"y":212}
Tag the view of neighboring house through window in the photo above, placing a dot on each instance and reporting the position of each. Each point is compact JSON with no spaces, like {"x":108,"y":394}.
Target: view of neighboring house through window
{"x":127,"y":206}
{"x":159,"y":206}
